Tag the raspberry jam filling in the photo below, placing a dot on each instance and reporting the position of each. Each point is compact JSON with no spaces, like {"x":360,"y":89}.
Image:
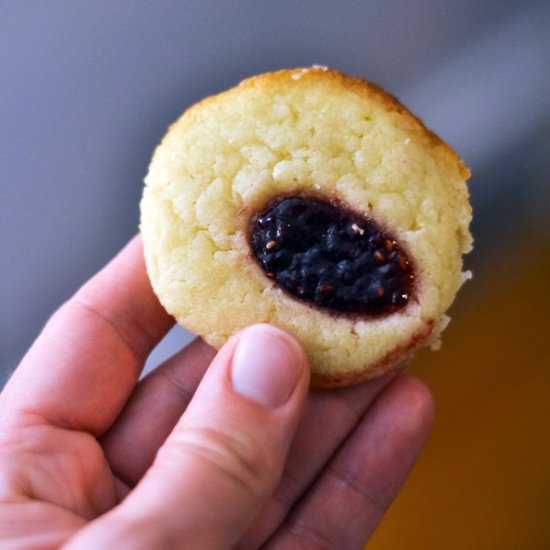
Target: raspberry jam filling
{"x":330,"y":256}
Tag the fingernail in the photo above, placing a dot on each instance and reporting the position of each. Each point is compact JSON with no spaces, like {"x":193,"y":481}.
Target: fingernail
{"x":266,"y":365}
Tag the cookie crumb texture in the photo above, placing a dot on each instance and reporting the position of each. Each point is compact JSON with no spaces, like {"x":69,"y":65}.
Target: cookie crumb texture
{"x":346,"y":143}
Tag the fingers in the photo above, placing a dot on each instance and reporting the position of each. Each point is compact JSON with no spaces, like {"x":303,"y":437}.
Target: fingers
{"x":159,"y":400}
{"x":346,"y":504}
{"x":223,"y":458}
{"x":154,"y":408}
{"x":328,"y":419}
{"x":83,"y":366}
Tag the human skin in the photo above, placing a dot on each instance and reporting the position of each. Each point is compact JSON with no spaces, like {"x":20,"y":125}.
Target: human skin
{"x":226,"y":450}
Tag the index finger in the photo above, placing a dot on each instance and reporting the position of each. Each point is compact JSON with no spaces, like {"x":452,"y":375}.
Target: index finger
{"x":80,"y":371}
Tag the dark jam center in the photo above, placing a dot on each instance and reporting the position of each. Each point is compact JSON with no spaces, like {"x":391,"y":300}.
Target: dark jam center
{"x":330,"y":256}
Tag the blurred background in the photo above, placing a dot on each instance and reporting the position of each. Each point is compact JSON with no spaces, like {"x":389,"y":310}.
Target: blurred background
{"x":87,"y":89}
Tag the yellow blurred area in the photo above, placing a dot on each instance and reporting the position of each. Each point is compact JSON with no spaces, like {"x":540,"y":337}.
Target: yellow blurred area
{"x":483,"y":480}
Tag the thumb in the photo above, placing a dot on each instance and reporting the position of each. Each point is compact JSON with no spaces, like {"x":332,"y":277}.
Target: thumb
{"x":225,"y":456}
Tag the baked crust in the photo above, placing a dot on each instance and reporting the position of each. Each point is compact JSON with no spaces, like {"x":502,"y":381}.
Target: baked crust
{"x":303,"y":131}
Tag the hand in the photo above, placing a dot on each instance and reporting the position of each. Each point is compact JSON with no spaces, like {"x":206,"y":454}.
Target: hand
{"x":236,"y":455}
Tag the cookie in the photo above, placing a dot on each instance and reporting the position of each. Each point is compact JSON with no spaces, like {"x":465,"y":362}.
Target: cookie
{"x":314,"y":201}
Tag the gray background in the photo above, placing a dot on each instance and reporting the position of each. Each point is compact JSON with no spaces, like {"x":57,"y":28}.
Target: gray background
{"x":87,"y":89}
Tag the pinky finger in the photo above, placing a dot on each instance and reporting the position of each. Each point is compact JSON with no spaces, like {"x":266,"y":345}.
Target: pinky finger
{"x":347,"y":502}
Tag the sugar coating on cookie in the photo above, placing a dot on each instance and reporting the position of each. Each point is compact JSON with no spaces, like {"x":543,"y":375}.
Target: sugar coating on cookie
{"x":320,"y":135}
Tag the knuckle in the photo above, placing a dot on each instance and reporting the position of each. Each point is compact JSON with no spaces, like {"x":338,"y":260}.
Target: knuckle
{"x":238,"y":456}
{"x":351,"y":482}
{"x":309,"y":537}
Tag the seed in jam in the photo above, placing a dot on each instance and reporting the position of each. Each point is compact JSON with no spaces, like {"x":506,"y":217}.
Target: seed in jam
{"x":328,"y":255}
